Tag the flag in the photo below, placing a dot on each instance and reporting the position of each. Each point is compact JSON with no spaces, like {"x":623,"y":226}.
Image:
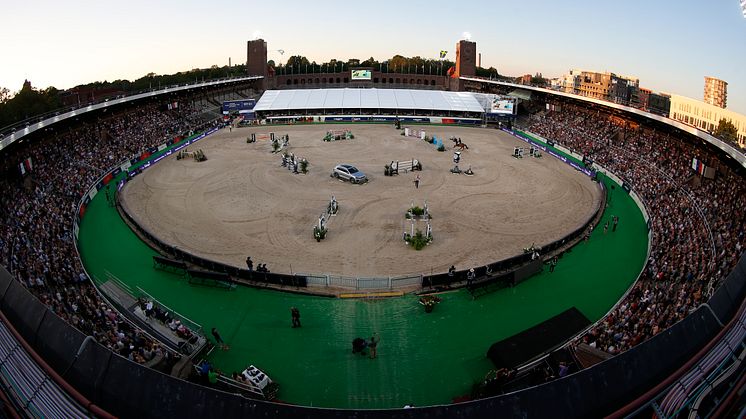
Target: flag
{"x":443,"y":54}
{"x":26,"y":166}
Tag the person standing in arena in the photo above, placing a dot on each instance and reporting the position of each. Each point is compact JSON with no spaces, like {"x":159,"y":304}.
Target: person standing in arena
{"x":219,"y":340}
{"x":373,"y":344}
{"x":295,"y":316}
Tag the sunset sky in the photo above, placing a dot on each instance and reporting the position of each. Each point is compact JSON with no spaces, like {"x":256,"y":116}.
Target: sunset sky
{"x":669,"y":45}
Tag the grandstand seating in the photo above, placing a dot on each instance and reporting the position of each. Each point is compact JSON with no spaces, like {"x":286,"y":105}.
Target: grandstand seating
{"x":698,"y":225}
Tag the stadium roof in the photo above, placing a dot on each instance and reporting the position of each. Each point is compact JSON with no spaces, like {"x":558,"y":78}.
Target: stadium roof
{"x":368,"y":99}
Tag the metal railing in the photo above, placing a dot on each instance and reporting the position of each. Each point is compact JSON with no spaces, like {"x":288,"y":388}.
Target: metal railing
{"x":190,"y":324}
{"x":362,"y":283}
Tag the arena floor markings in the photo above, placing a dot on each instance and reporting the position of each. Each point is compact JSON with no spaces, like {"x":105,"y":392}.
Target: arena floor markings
{"x":423,"y":359}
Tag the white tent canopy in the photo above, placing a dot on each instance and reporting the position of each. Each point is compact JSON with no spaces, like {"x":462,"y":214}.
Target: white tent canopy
{"x":435,"y":100}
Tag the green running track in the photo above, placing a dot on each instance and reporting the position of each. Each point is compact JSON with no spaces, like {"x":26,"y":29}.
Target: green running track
{"x":423,"y":359}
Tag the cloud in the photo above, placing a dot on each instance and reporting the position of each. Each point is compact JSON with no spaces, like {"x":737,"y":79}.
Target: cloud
{"x":256,"y":34}
{"x":466,"y":35}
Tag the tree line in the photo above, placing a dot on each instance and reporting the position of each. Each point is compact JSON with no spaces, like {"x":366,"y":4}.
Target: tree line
{"x":298,"y":64}
{"x":30,"y":101}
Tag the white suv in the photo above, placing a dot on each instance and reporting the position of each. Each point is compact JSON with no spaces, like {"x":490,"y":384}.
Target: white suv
{"x":349,"y":172}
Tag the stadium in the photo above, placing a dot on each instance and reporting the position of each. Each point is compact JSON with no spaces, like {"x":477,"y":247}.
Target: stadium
{"x":513,"y":250}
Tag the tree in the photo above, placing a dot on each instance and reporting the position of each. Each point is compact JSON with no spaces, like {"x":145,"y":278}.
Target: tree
{"x":297,"y":63}
{"x":4,"y":95}
{"x":397,"y":63}
{"x":370,"y":62}
{"x":27,"y":103}
{"x":726,"y":130}
{"x":538,"y":80}
{"x":487,"y":72}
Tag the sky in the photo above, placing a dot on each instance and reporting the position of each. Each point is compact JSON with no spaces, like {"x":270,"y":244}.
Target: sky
{"x":670,"y":45}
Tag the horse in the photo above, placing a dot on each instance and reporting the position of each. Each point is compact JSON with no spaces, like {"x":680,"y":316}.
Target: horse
{"x":461,"y":146}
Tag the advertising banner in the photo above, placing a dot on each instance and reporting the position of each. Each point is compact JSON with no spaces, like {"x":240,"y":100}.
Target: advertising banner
{"x":502,"y":106}
{"x":361,"y":75}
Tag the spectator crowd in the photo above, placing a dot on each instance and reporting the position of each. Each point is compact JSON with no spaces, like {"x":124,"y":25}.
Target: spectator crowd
{"x":697,"y":224}
{"x":37,"y":244}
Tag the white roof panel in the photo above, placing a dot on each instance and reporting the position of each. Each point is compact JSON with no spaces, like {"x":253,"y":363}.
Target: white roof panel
{"x":283,"y":101}
{"x":404,"y":99}
{"x":317,"y":98}
{"x":300,"y":99}
{"x":386,"y":98}
{"x":439,"y":102}
{"x":351,"y":98}
{"x":368,"y":99}
{"x":265,"y":102}
{"x":334,"y":98}
{"x":424,"y":99}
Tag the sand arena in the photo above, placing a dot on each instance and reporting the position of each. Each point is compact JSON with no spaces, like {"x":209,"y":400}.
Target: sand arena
{"x":242,"y":202}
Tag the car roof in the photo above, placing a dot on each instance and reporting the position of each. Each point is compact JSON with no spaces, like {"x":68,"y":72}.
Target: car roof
{"x":347,"y":166}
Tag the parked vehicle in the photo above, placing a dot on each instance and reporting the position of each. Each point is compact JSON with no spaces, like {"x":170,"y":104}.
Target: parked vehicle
{"x":349,"y":172}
